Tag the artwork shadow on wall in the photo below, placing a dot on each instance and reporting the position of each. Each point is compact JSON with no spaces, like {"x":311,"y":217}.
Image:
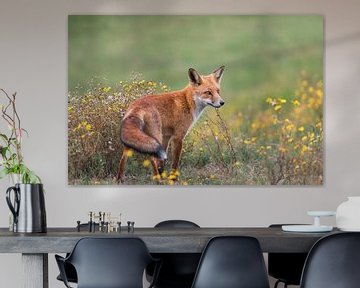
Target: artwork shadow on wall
{"x":195,"y":100}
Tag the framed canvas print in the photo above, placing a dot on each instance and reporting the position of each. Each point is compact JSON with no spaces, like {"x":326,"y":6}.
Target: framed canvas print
{"x":195,"y":100}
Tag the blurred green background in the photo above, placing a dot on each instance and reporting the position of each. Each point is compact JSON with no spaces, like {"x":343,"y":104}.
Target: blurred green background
{"x":263,"y":54}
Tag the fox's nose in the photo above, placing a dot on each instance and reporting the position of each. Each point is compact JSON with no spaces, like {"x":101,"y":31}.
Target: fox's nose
{"x":222,"y":102}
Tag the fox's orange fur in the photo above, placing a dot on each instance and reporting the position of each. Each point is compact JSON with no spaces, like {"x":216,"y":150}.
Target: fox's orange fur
{"x":153,"y":121}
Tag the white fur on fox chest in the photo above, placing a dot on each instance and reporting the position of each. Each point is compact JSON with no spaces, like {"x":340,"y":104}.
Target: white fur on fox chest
{"x":199,"y":108}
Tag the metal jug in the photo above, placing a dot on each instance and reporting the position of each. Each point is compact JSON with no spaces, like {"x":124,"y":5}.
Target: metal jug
{"x":28,"y":208}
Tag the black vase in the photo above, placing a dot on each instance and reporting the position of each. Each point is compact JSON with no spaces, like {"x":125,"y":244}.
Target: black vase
{"x":28,"y":208}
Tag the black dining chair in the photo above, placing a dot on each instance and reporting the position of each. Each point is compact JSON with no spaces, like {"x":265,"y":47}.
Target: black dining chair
{"x":178,"y":269}
{"x":232,"y":262}
{"x":108,"y":263}
{"x":333,"y":262}
{"x":70,"y":271}
{"x":286,"y":267}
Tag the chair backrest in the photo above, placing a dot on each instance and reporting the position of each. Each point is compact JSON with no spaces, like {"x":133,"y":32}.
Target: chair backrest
{"x":178,"y":269}
{"x":287,"y":267}
{"x":333,"y":262}
{"x":110,"y":262}
{"x":176,"y":224}
{"x":232,"y":262}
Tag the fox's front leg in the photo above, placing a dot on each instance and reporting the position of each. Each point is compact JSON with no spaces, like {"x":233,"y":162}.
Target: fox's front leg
{"x":176,"y":153}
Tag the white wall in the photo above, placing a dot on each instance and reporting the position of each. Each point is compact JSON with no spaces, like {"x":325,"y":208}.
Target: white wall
{"x":33,"y":62}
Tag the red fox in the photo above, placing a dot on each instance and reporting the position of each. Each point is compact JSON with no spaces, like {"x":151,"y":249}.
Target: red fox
{"x":153,"y":121}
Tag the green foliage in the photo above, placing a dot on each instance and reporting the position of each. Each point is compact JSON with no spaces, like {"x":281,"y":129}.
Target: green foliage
{"x":279,"y":144}
{"x":12,"y":161}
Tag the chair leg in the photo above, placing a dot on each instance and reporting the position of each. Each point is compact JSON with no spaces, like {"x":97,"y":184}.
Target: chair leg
{"x":278,"y":282}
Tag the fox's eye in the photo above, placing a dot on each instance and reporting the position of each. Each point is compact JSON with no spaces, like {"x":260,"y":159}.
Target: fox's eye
{"x":207,"y":93}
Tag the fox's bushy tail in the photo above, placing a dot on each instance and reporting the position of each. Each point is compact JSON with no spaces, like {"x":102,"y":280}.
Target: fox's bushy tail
{"x":133,"y":136}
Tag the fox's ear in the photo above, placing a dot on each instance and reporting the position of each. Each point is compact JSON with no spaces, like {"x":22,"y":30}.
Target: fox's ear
{"x":194,"y":77}
{"x":218,"y":73}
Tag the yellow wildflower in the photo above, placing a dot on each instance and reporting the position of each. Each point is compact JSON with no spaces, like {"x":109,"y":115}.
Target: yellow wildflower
{"x":319,"y":93}
{"x":156,"y":177}
{"x":290,"y":127}
{"x":247,"y":142}
{"x":88,"y":127}
{"x":106,"y":89}
{"x":304,"y":148}
{"x":146,"y":163}
{"x":312,"y":135}
{"x":130,"y":153}
{"x":269,"y":100}
{"x":237,"y":164}
{"x":172,"y":177}
{"x":296,"y":102}
{"x":301,"y":128}
{"x":277,"y":107}
{"x":175,"y":172}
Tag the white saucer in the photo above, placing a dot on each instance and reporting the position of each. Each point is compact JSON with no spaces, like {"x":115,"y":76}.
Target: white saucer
{"x":306,"y":228}
{"x":350,"y":229}
{"x":321,"y":213}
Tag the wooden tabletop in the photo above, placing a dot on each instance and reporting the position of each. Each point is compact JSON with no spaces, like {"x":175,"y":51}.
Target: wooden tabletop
{"x":158,"y":240}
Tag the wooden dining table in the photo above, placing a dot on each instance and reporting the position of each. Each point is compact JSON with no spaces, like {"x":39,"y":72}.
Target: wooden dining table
{"x":35,"y":247}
